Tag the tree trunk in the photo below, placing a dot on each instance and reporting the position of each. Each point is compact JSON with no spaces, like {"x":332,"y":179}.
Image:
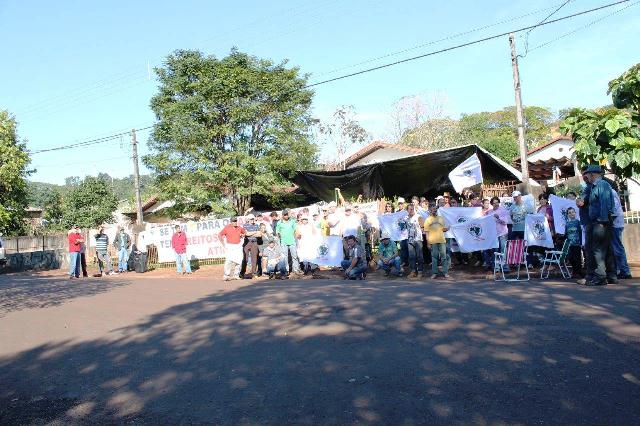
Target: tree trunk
{"x":240,"y":202}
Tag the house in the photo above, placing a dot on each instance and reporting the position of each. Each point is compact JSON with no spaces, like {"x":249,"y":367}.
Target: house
{"x":380,"y":151}
{"x":552,"y":161}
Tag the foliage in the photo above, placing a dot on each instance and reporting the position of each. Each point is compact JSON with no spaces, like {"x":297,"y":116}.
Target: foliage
{"x":343,"y":130}
{"x":434,"y":134}
{"x":53,"y":211}
{"x":606,"y":136}
{"x":89,"y":204}
{"x":228,"y":128}
{"x":14,"y":160}
{"x":625,"y":90}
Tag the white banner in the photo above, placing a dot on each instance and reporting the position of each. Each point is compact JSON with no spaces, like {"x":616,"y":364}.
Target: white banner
{"x":506,"y":203}
{"x":394,"y":225}
{"x":455,"y":215}
{"x":466,"y":174}
{"x":371,"y":211}
{"x":329,"y":252}
{"x":202,"y":239}
{"x":560,"y":206}
{"x":536,"y":231}
{"x":476,"y":234}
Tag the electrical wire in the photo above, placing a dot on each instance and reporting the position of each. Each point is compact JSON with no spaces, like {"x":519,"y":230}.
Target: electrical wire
{"x":459,"y":46}
{"x":89,"y":142}
{"x":526,"y":36}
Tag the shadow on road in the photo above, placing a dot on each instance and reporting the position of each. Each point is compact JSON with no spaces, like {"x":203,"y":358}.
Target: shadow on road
{"x":25,"y":291}
{"x":321,"y":352}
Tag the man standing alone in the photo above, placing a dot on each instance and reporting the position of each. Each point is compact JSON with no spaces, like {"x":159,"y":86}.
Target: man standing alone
{"x":122,"y":243}
{"x":75,"y":245}
{"x":179,"y":244}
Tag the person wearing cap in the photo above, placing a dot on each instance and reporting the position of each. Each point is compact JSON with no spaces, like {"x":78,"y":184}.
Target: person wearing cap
{"x":435,"y":228}
{"x":231,"y":238}
{"x":273,"y":260}
{"x":440,"y":201}
{"x":179,"y":244}
{"x":251,"y":247}
{"x":600,"y":209}
{"x":286,"y":230}
{"x":354,"y":265}
{"x":75,"y":245}
{"x":518,"y":212}
{"x":388,"y":256}
{"x":447,"y":199}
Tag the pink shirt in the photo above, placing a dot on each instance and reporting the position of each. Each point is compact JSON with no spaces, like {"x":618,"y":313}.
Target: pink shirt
{"x":501,"y":220}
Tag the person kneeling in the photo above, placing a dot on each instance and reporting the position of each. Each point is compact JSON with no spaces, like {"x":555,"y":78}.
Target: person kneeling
{"x":388,"y":256}
{"x":354,"y":265}
{"x":273,"y":261}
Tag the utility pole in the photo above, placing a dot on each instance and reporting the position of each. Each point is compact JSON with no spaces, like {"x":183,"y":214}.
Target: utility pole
{"x":524,"y":164}
{"x":136,"y":175}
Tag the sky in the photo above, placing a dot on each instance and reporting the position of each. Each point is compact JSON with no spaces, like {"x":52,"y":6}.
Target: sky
{"x":74,"y":70}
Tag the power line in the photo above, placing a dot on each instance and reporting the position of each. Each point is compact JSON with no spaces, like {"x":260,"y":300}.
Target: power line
{"x":583,"y":27}
{"x":450,"y":37}
{"x":89,"y":142}
{"x":459,"y":46}
{"x":526,"y":39}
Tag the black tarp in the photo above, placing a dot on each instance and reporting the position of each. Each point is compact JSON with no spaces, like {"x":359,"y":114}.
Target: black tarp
{"x":422,"y":175}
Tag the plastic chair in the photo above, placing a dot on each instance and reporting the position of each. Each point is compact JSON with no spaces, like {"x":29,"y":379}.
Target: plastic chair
{"x":557,"y":257}
{"x":516,"y":256}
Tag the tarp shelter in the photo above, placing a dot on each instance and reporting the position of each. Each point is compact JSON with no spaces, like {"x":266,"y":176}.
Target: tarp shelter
{"x":422,"y":174}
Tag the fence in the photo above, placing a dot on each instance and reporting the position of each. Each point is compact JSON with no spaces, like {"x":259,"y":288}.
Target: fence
{"x":38,"y":243}
{"x":497,"y":189}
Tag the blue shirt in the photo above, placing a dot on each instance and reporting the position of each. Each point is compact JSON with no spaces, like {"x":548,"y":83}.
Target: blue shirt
{"x":584,"y":210}
{"x":601,"y":206}
{"x":518,"y":214}
{"x":573,"y":231}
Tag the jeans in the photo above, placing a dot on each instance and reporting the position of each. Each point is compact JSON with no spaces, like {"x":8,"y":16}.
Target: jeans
{"x":231,"y":269}
{"x":123,"y":257}
{"x":603,"y":262}
{"x":488,"y":255}
{"x":180,"y":259}
{"x":295,"y":264}
{"x":74,"y":260}
{"x":250,"y":252}
{"x":416,"y":261}
{"x":82,"y":265}
{"x":395,"y":262}
{"x":355,"y":272}
{"x":104,"y":262}
{"x":439,"y":253}
{"x":279,"y":267}
{"x":404,"y":252}
{"x":618,"y":252}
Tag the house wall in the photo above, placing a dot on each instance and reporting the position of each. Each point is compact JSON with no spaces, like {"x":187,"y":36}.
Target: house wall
{"x":562,"y":148}
{"x":634,"y":194}
{"x":380,"y":155}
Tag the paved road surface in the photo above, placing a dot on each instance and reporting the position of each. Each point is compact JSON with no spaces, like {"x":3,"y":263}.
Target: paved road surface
{"x":167,"y":350}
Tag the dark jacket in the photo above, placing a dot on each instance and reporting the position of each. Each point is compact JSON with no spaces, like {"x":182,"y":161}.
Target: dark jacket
{"x":601,"y":206}
{"x":127,"y":241}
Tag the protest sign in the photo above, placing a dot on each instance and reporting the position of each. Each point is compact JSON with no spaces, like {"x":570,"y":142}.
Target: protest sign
{"x":476,"y":234}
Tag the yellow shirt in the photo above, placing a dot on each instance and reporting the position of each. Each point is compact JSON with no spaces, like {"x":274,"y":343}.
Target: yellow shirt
{"x":324,"y":227}
{"x":433,"y":226}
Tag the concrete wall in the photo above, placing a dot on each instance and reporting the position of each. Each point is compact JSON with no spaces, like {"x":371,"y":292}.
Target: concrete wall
{"x":631,"y":241}
{"x":36,"y":261}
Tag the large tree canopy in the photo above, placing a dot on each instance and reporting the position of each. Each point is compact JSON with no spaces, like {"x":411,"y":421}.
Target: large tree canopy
{"x":89,"y":204}
{"x":228,"y":128}
{"x":14,"y":160}
{"x":610,"y":135}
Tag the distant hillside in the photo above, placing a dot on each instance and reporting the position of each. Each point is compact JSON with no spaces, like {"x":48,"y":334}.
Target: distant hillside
{"x":122,"y":188}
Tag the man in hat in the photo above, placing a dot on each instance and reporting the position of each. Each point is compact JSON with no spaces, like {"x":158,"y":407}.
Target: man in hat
{"x":601,"y":210}
{"x":251,"y":234}
{"x":389,"y":258}
{"x":518,"y":212}
{"x":286,"y":229}
{"x":231,"y":238}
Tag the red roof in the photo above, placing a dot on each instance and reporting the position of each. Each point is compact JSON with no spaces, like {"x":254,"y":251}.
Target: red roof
{"x":374,"y":146}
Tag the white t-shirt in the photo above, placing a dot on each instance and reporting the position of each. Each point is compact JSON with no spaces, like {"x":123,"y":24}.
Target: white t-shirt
{"x":142,"y":242}
{"x":351,"y":225}
{"x":336,"y":218}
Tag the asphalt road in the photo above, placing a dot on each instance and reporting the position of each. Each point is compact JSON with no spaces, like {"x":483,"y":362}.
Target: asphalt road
{"x":160,"y":349}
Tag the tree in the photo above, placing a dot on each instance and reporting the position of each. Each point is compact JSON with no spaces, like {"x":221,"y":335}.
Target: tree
{"x":343,"y":131}
{"x":89,"y":204}
{"x":610,"y":135}
{"x":14,"y":160}
{"x":228,"y":128}
{"x":410,"y":112}
{"x":434,"y":134}
{"x":53,"y":210}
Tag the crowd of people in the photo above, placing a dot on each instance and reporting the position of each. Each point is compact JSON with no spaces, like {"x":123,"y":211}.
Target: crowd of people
{"x":287,"y":243}
{"x":595,"y":249}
